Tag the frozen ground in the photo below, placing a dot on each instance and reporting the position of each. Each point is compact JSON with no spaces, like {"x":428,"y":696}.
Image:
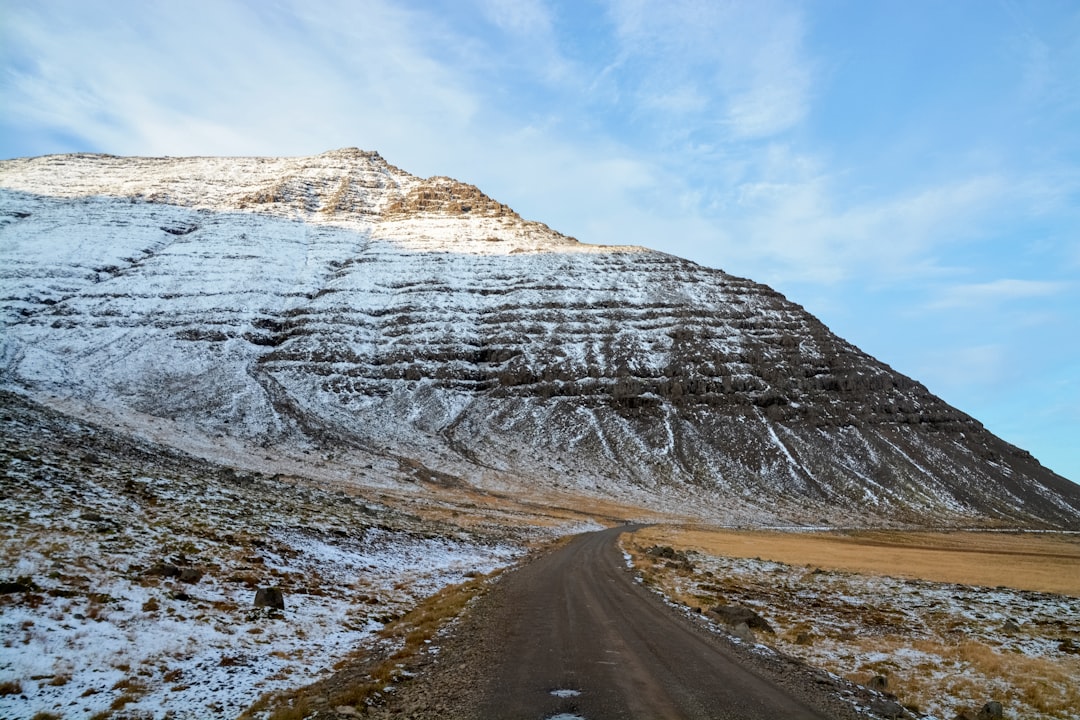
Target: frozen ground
{"x":130,"y":578}
{"x":943,"y":648}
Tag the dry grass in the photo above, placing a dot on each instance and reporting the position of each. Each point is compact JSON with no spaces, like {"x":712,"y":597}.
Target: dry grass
{"x":123,"y":701}
{"x":1043,"y":562}
{"x":62,"y":524}
{"x":410,"y":634}
{"x":414,"y":630}
{"x":1048,"y":686}
{"x":533,"y":506}
{"x":936,"y":634}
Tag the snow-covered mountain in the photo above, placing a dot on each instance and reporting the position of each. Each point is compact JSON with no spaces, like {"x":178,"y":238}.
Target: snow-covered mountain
{"x":338,"y":305}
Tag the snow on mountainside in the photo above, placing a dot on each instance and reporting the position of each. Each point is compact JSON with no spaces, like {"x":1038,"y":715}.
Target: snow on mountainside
{"x":338,"y":303}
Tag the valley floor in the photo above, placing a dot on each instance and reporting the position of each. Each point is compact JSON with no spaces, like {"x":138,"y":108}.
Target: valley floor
{"x":130,"y":573}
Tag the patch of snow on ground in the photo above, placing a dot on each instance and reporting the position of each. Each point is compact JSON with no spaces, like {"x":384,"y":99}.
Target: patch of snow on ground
{"x":102,"y":621}
{"x":944,"y":647}
{"x":565,"y":693}
{"x":576,"y":528}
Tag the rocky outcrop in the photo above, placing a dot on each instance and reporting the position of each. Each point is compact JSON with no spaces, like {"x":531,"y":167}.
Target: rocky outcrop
{"x":443,"y":195}
{"x":269,"y":597}
{"x":735,"y":615}
{"x":339,"y":301}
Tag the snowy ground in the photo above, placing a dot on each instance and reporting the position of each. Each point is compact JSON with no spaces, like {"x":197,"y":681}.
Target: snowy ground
{"x":943,"y":648}
{"x":97,"y":620}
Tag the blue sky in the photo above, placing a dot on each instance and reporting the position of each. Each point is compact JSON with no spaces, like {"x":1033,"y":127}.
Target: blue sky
{"x":908,"y":170}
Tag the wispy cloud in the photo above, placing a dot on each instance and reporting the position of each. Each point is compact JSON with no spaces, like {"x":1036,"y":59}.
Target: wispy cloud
{"x":989,"y":294}
{"x":229,"y":78}
{"x":740,"y":70}
{"x":1048,"y":58}
{"x":519,"y":17}
{"x":804,"y":231}
{"x":525,"y":50}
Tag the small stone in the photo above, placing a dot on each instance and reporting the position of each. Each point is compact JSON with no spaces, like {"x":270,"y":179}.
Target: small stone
{"x":887,"y":708}
{"x":1010,"y":626}
{"x":164,"y":570}
{"x":190,"y":575}
{"x":346,"y":710}
{"x":879,"y":683}
{"x":661,"y":551}
{"x":803,"y":638}
{"x":743,"y":632}
{"x":6,"y":588}
{"x":270,"y":597}
{"x":733,"y":615}
{"x":991,"y":711}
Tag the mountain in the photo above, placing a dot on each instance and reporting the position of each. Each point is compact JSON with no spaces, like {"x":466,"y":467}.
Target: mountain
{"x":338,"y":313}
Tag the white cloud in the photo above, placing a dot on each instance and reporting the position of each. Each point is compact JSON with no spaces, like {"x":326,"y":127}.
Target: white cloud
{"x":679,"y":99}
{"x":802,"y":231}
{"x":778,"y":93}
{"x":519,"y":17}
{"x":746,"y":58}
{"x":527,"y":51}
{"x":1049,"y":57}
{"x":227,"y":78}
{"x":987,"y":294}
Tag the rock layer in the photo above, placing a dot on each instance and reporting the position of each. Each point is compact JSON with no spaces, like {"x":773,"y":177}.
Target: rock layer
{"x":339,"y":301}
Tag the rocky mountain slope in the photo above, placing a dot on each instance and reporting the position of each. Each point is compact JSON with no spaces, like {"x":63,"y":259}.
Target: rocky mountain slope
{"x":130,"y":571}
{"x":336,"y":305}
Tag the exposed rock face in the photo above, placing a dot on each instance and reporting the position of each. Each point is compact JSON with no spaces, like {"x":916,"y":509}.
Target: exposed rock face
{"x":340,"y":301}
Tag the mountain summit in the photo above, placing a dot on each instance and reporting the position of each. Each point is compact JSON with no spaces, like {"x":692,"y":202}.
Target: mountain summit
{"x":336,"y":312}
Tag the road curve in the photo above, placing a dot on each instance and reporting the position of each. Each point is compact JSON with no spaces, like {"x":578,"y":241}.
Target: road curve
{"x":576,"y":620}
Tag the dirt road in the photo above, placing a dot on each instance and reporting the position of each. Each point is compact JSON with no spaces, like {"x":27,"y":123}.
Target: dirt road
{"x":574,"y":635}
{"x":577,"y":621}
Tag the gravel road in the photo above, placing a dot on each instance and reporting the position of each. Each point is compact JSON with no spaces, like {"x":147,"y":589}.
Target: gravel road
{"x":573,"y":635}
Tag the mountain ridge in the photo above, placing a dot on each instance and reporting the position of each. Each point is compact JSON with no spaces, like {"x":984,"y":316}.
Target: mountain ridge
{"x":277,"y":301}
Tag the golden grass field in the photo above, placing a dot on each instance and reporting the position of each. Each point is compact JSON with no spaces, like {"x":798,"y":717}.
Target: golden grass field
{"x":924,"y":609}
{"x":1024,"y":561}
